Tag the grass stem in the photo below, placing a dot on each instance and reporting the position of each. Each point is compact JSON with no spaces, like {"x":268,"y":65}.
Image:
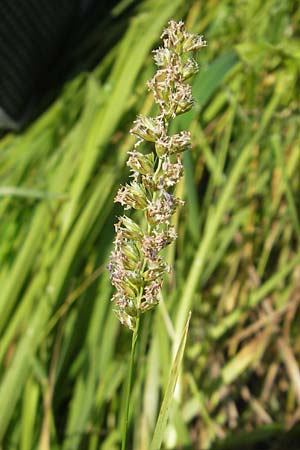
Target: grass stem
{"x":129,"y":383}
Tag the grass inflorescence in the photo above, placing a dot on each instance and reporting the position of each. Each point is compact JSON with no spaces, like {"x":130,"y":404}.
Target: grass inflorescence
{"x":136,"y":266}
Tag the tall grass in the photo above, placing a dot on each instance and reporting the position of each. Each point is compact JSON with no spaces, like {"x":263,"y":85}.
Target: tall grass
{"x":237,"y":264}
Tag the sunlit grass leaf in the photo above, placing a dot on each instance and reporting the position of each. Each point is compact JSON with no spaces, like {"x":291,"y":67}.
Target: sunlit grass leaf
{"x":168,"y":397}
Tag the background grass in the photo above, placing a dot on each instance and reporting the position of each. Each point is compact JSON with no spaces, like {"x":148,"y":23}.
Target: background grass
{"x":236,"y":262}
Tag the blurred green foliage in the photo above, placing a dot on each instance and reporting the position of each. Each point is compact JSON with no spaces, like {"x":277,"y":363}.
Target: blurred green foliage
{"x":237,"y":263}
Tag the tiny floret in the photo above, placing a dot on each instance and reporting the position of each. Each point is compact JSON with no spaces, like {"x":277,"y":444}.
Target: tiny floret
{"x":147,"y":128}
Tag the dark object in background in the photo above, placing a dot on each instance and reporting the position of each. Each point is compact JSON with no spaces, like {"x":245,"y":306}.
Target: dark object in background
{"x":270,"y":437}
{"x":34,"y":38}
{"x":30,"y":34}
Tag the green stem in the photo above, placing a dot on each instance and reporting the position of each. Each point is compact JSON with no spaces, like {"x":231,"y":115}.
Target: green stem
{"x":129,"y":383}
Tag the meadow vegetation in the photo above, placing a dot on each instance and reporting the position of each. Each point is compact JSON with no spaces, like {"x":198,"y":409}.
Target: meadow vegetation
{"x":63,"y":353}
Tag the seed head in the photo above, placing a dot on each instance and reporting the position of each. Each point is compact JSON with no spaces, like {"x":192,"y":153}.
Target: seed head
{"x":136,"y":266}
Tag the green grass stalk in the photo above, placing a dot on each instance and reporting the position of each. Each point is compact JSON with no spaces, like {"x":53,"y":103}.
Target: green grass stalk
{"x":129,"y":382}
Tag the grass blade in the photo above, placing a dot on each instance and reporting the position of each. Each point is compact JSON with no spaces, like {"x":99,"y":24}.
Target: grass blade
{"x":167,"y":400}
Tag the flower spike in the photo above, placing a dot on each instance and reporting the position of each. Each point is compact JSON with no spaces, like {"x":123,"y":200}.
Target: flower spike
{"x":136,"y":266}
